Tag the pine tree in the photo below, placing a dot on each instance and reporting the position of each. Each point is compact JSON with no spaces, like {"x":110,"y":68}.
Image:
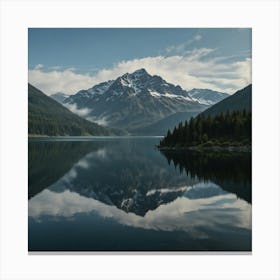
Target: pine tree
{"x":229,"y":127}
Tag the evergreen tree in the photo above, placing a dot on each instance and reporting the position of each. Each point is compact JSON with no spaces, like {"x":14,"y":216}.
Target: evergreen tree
{"x":234,"y":127}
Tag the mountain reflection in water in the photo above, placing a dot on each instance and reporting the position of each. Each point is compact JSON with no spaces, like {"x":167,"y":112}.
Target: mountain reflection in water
{"x":131,"y":185}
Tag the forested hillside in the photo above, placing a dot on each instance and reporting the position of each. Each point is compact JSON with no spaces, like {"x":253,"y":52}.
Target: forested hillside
{"x":227,"y":123}
{"x":240,"y":100}
{"x":232,"y":128}
{"x":47,"y":117}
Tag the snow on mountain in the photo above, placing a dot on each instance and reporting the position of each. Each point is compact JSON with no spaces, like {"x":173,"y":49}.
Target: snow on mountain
{"x":207,"y":96}
{"x":100,"y":88}
{"x":135,"y":100}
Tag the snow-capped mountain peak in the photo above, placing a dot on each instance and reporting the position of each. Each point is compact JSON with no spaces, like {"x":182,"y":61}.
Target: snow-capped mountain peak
{"x":134,"y":100}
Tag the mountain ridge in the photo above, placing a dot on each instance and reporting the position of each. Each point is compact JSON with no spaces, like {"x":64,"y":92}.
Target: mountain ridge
{"x":133,"y":101}
{"x":59,"y":96}
{"x":240,"y":100}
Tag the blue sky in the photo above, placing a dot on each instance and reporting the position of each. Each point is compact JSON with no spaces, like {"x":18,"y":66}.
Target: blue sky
{"x":69,"y":59}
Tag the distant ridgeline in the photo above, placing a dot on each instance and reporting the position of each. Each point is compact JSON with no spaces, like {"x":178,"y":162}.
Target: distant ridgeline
{"x":227,"y":123}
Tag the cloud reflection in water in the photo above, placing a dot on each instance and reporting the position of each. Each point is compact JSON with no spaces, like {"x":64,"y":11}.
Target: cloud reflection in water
{"x":184,"y":214}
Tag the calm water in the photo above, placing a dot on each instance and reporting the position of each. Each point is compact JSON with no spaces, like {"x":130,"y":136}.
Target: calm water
{"x":123,"y":194}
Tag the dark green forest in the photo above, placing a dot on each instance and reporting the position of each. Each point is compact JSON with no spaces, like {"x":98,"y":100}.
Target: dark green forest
{"x":225,"y":129}
{"x":240,"y":100}
{"x":48,"y":117}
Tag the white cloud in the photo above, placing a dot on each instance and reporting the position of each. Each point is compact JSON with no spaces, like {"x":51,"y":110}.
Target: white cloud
{"x":39,"y":66}
{"x":196,"y":69}
{"x":196,"y":54}
{"x":181,"y":49}
{"x":56,"y":67}
{"x":244,"y":70}
{"x":66,"y":81}
{"x":80,"y":112}
{"x":84,"y":113}
{"x":100,"y":120}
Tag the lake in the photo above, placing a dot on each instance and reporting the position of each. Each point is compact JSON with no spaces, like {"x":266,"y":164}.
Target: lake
{"x":123,"y":194}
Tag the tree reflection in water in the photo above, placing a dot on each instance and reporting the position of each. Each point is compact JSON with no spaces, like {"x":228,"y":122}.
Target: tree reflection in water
{"x":232,"y":171}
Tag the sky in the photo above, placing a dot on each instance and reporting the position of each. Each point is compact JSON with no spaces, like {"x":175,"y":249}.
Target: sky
{"x":70,"y":59}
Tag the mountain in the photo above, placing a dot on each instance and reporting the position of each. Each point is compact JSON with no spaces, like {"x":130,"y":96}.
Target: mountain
{"x":162,"y":126}
{"x":108,"y":171}
{"x":242,"y":99}
{"x":47,"y":117}
{"x":207,"y":96}
{"x":52,"y":166}
{"x":210,"y":128}
{"x":59,"y":96}
{"x":133,"y":101}
{"x":119,"y":173}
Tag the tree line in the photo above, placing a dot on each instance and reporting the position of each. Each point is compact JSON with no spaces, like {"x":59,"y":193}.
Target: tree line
{"x":230,"y":128}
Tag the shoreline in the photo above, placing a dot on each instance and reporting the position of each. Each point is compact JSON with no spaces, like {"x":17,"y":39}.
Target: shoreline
{"x":92,"y":136}
{"x":245,"y":149}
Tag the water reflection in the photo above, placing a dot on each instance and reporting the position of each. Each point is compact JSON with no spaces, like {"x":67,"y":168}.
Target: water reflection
{"x":181,"y":214}
{"x":231,"y":171}
{"x":121,"y":174}
{"x":49,"y":161}
{"x":127,"y":187}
